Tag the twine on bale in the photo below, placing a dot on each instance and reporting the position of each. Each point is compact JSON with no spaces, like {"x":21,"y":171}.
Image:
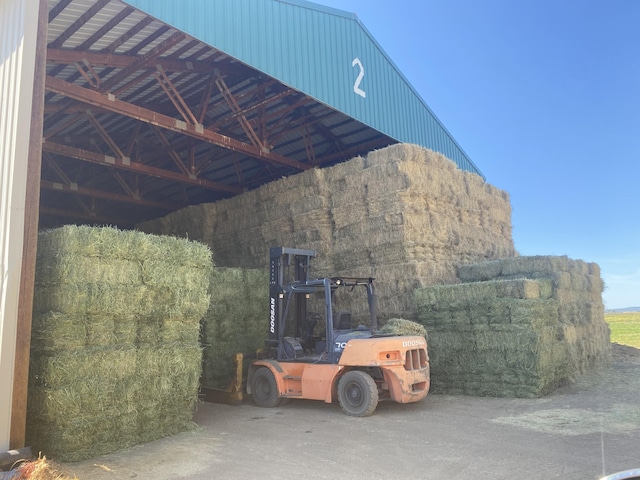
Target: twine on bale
{"x":115,"y":357}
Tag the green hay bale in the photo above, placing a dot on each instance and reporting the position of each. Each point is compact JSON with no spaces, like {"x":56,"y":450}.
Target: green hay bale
{"x":235,"y":322}
{"x":400,"y":326}
{"x":56,"y":331}
{"x":510,"y":363}
{"x":111,"y":243}
{"x":74,"y":393}
{"x":503,"y":346}
{"x":513,"y":267}
{"x":176,"y":330}
{"x":451,"y":297}
{"x":107,"y":348}
{"x":59,"y":332}
{"x":100,"y":365}
{"x":123,"y":300}
{"x":65,"y":268}
{"x":167,"y":332}
{"x":76,"y":439}
{"x":169,"y":375}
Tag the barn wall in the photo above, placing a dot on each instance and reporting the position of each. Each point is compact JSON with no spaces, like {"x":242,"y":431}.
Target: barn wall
{"x":18,"y":34}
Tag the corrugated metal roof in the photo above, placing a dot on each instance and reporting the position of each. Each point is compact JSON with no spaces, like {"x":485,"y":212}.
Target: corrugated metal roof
{"x":323,"y":52}
{"x":153,"y":112}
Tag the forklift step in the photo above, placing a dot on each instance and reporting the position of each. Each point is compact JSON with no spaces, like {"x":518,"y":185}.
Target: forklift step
{"x":292,"y":377}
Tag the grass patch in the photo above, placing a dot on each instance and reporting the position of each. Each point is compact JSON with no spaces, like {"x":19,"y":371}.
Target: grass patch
{"x":625,"y":328}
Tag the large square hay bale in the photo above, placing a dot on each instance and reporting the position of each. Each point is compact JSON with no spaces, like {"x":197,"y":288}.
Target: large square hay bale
{"x":236,"y":321}
{"x":115,"y":356}
{"x":545,"y":311}
{"x":398,"y":206}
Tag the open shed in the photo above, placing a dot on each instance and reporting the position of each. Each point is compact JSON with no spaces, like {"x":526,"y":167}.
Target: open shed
{"x":118,"y":112}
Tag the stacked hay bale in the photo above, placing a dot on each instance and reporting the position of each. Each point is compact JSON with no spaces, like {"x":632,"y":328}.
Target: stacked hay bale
{"x":115,"y":357}
{"x":404,"y":215}
{"x":521,"y":327}
{"x":577,"y":289}
{"x":236,"y":321}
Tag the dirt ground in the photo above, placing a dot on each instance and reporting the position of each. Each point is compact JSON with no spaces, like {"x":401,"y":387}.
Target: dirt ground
{"x":579,"y":432}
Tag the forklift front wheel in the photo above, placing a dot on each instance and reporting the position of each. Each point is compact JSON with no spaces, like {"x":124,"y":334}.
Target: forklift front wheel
{"x":264,"y":388}
{"x":357,"y":394}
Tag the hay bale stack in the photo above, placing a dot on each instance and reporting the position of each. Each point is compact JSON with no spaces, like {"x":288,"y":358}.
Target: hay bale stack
{"x":296,"y":214}
{"x":408,"y":205}
{"x":403,"y":214}
{"x":115,"y":357}
{"x":195,"y":222}
{"x":521,"y":327}
{"x":236,"y":321}
{"x":577,"y":288}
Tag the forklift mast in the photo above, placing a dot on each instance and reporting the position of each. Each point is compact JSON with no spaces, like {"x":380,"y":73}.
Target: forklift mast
{"x":291,"y":334}
{"x":287,"y":266}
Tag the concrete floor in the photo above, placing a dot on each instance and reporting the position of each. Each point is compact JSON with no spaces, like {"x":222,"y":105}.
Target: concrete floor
{"x":579,"y":432}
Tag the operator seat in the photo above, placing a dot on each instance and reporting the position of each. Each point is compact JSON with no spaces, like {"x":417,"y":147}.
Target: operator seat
{"x":343,"y":320}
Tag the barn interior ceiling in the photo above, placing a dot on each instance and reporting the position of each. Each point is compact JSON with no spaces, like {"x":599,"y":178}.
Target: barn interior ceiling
{"x":141,"y":120}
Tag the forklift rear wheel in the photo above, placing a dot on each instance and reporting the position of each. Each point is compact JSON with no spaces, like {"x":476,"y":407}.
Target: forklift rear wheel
{"x":264,"y":388}
{"x":357,"y":394}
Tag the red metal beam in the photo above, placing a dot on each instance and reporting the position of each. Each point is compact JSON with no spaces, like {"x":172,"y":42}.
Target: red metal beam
{"x":126,"y":164}
{"x":90,"y":192}
{"x":112,"y":104}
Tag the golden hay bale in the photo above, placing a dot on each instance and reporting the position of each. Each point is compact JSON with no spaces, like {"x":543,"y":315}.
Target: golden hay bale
{"x":398,"y":206}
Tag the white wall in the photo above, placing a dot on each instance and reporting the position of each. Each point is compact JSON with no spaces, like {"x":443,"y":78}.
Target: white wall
{"x":18,"y":30}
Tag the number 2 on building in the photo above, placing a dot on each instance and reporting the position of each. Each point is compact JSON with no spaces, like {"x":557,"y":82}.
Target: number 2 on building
{"x":356,"y":85}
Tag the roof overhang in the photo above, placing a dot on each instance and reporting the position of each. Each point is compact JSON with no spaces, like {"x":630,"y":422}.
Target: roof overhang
{"x":142,"y":119}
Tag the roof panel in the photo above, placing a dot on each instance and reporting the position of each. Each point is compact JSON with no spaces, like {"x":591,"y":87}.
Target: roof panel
{"x":325,"y":53}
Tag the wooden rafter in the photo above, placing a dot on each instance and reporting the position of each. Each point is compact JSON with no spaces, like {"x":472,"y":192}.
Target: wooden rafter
{"x":100,"y":59}
{"x":74,"y":188}
{"x":142,"y":61}
{"x":171,"y":151}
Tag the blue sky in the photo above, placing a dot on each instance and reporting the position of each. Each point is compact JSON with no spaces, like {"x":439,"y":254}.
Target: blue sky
{"x":544,"y":96}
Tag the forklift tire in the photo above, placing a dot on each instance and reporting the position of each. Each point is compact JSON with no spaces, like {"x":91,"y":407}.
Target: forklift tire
{"x":264,"y":388}
{"x":357,"y":394}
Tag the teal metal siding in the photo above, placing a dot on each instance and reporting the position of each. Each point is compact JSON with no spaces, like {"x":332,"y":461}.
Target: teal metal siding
{"x":312,"y":49}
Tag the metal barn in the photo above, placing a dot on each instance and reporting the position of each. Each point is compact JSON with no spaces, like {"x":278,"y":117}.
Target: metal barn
{"x":115,"y":112}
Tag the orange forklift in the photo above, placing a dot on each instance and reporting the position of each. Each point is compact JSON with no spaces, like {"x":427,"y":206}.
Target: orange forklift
{"x":357,"y":366}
